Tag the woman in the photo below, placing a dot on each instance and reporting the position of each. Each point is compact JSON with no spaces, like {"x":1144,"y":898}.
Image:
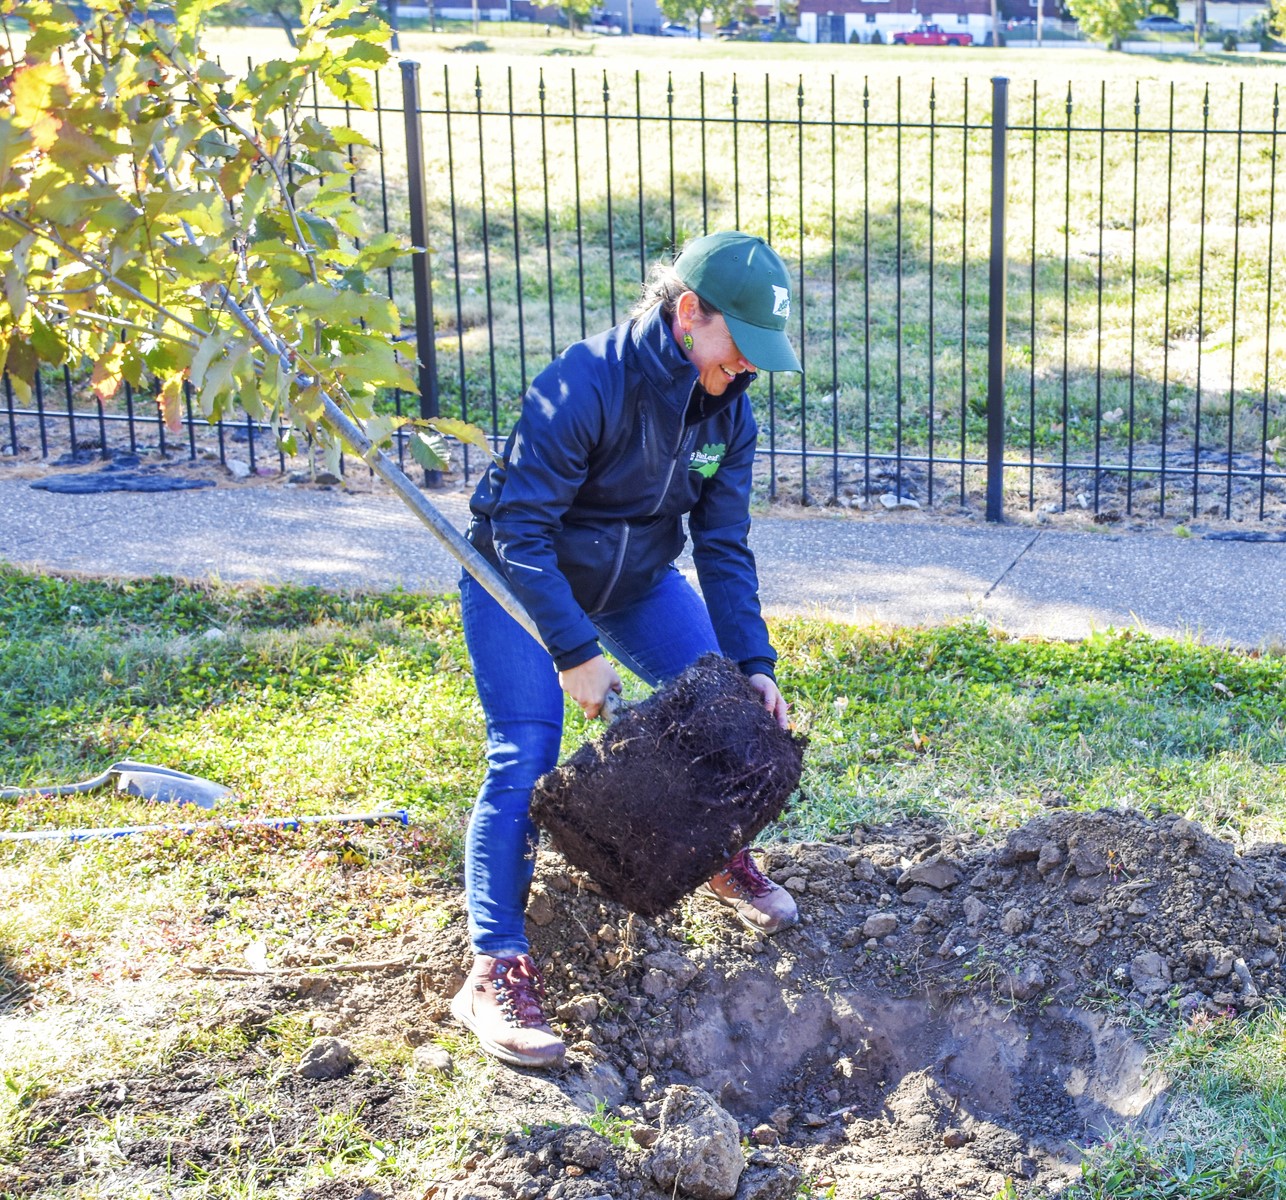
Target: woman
{"x":619,"y":438}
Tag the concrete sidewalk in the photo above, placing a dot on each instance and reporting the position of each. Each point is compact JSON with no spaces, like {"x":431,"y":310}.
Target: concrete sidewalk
{"x":893,"y":569}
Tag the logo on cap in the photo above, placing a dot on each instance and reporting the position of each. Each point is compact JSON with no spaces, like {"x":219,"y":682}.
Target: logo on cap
{"x":781,"y":301}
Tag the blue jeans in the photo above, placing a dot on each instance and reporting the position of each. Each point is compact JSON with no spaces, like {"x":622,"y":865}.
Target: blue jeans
{"x":656,"y":637}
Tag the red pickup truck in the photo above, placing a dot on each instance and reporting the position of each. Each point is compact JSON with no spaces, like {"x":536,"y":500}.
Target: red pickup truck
{"x":931,"y":35}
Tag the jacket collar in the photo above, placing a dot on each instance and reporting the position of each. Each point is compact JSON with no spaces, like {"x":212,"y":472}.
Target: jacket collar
{"x":665,"y":366}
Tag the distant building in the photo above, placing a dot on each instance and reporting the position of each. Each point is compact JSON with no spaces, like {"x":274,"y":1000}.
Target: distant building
{"x":839,"y":20}
{"x":645,"y":14}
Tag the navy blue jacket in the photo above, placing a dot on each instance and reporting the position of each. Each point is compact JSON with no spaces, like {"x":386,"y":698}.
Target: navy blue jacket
{"x":616,"y":442}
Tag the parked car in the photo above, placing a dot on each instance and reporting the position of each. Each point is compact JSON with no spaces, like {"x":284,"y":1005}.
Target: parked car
{"x":606,"y":23}
{"x":930,"y":35}
{"x":1158,"y":23}
{"x":674,"y":29}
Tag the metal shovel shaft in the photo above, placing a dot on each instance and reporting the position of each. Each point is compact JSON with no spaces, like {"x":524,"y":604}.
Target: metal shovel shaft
{"x":439,"y":526}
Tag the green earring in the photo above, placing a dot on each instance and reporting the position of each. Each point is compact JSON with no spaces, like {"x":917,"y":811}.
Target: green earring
{"x":687,"y":341}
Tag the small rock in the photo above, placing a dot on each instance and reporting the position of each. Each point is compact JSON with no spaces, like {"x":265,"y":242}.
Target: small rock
{"x":699,"y":1150}
{"x":433,"y":1059}
{"x":1086,"y":938}
{"x":584,"y":1010}
{"x":953,"y":1139}
{"x":1219,"y":964}
{"x":1015,"y":921}
{"x":776,"y":1179}
{"x":974,"y":909}
{"x":796,"y":883}
{"x":326,"y":1058}
{"x":1240,"y":884}
{"x":582,"y":1148}
{"x":682,"y":970}
{"x":780,"y":1118}
{"x":937,"y":872}
{"x":1149,"y":972}
{"x":879,"y":925}
{"x":1050,"y":857}
{"x":540,"y":909}
{"x":645,"y":1135}
{"x":1088,"y":862}
{"x":238,"y":469}
{"x":1025,"y":983}
{"x":765,"y":1135}
{"x":863,"y":868}
{"x":893,"y":500}
{"x":1023,"y":845}
{"x":658,"y":985}
{"x":813,"y":1120}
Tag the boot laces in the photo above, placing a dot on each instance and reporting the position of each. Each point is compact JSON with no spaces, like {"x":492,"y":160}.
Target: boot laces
{"x":519,"y":990}
{"x":746,"y":877}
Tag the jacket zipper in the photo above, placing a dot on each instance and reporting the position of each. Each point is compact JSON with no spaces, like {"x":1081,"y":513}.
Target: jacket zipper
{"x":617,"y":565}
{"x":684,"y":435}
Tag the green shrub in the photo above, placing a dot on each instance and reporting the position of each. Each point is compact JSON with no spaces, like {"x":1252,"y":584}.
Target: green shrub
{"x":1230,"y":41}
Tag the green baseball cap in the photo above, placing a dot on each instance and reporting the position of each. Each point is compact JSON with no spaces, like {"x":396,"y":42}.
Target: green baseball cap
{"x":745,"y":279}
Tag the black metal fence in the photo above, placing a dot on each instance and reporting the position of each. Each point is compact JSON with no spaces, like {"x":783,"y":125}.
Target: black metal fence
{"x":1040,"y":297}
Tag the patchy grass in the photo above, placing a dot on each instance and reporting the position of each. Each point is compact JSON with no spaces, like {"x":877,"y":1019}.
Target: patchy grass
{"x":1225,"y":1131}
{"x":312,"y":703}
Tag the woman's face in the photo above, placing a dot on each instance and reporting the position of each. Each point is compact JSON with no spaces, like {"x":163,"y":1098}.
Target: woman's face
{"x":714,"y":353}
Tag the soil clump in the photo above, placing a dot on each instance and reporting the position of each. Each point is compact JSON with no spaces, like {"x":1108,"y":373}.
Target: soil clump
{"x":951,"y":1013}
{"x":677,"y":785}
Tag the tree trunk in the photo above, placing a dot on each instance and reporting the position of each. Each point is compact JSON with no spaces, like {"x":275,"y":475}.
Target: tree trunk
{"x":1199,"y":24}
{"x":285,"y":24}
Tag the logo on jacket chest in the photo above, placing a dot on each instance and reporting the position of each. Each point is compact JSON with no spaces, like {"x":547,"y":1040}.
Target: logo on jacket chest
{"x":706,"y":460}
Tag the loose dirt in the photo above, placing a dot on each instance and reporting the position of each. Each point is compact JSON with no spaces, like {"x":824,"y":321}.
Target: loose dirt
{"x":951,"y":1013}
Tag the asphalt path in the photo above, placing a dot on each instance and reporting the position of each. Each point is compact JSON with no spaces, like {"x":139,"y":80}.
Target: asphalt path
{"x":890,"y":568}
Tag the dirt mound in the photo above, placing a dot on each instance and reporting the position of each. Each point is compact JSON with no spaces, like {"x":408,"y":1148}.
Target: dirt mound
{"x":951,"y":1012}
{"x":677,"y":785}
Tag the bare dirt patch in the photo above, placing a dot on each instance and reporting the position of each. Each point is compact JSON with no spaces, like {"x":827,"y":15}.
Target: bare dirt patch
{"x":949,"y":1014}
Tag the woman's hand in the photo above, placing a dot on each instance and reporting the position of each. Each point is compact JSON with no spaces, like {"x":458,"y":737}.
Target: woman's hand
{"x":773,"y":700}
{"x":589,"y":682}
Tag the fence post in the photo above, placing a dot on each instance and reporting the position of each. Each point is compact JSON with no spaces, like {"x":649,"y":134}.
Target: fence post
{"x":996,"y":302}
{"x":420,"y":265}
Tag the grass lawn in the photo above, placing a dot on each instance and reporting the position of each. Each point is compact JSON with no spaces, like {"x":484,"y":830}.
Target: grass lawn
{"x":305,"y":702}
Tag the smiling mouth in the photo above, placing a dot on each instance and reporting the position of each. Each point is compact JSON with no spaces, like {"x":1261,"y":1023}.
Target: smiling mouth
{"x":729,"y":374}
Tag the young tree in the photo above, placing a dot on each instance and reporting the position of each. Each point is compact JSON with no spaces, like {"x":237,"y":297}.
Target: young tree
{"x":686,"y":12}
{"x":725,"y":12}
{"x":1108,"y":20}
{"x":577,"y":12}
{"x":168,"y":221}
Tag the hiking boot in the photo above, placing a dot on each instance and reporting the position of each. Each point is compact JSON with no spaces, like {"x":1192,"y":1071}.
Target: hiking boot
{"x":501,"y":1003}
{"x":745,"y":889}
